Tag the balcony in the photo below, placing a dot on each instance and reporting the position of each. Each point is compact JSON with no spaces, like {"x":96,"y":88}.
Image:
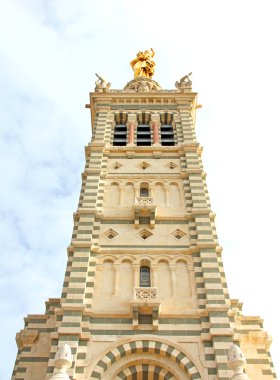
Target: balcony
{"x":145,"y":306}
{"x":145,"y":294}
{"x":144,"y":207}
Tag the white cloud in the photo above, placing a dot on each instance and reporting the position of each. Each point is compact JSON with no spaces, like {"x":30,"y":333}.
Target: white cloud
{"x":50,"y":51}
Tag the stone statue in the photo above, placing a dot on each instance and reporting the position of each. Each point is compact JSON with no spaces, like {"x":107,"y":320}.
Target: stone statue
{"x":143,"y":65}
{"x":184,"y":84}
{"x":101,"y":85}
{"x":237,"y":362}
{"x":62,"y":361}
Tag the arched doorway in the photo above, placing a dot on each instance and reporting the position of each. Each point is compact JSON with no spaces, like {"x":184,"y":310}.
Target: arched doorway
{"x":145,"y":358}
{"x":146,"y":371}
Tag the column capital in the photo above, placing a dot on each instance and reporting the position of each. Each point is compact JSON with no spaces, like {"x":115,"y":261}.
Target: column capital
{"x":131,"y":118}
{"x":172,"y":267}
{"x":155,"y":118}
{"x":116,"y":267}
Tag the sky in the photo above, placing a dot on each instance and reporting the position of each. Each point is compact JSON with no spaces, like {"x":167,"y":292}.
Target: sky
{"x":49,"y":54}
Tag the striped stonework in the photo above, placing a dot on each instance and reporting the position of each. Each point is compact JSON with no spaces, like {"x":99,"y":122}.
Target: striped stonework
{"x":145,"y":371}
{"x":143,"y":346}
{"x":181,"y":325}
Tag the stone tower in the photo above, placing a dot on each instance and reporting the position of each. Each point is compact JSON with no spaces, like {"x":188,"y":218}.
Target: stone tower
{"x":145,"y":294}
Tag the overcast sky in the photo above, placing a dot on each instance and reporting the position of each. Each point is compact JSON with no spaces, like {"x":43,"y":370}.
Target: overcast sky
{"x":50,"y":51}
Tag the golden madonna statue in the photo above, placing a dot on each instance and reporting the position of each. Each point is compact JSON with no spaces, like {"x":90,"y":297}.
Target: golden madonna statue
{"x":143,"y":65}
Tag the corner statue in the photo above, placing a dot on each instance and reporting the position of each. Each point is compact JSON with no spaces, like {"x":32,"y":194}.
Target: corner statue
{"x":143,"y":65}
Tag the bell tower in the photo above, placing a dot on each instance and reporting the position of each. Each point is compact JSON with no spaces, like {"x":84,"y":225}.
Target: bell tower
{"x":144,"y":294}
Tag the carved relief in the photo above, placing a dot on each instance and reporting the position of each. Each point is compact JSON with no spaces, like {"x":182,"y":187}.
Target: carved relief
{"x":142,"y":85}
{"x":101,"y":85}
{"x":260,"y":338}
{"x":26,"y":337}
{"x":144,"y":294}
{"x":184,"y":84}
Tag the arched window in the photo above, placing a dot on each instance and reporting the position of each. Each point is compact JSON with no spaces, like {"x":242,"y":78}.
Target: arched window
{"x":120,"y":133}
{"x":120,"y":130}
{"x":145,"y":278}
{"x":166,"y":129}
{"x":144,"y":192}
{"x":143,"y":129}
{"x":143,"y":135}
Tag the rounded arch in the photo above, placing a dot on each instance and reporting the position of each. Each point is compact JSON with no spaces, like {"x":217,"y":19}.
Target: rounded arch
{"x":120,"y":117}
{"x":144,"y":258}
{"x":162,"y":258}
{"x":152,"y":369}
{"x":143,"y":117}
{"x":107,"y":258}
{"x":186,"y":260}
{"x":166,"y":117}
{"x":146,"y":344}
{"x":126,"y":258}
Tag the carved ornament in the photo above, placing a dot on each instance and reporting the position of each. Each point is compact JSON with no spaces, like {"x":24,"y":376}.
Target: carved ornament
{"x":26,"y":337}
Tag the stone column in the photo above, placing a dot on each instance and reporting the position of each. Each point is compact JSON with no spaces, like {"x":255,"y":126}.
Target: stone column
{"x":136,"y":282}
{"x":154,"y":275}
{"x":131,"y":129}
{"x":152,"y":191}
{"x":166,"y":188}
{"x":192,"y":284}
{"x":155,"y":123}
{"x":182,"y":195}
{"x":122,"y":189}
{"x":173,"y":278}
{"x":137,"y":190}
{"x":116,"y":268}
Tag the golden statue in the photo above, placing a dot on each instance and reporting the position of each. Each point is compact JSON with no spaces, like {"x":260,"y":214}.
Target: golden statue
{"x":143,"y":65}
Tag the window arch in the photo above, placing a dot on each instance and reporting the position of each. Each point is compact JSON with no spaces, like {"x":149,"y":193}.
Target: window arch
{"x":145,"y":276}
{"x":166,"y":129}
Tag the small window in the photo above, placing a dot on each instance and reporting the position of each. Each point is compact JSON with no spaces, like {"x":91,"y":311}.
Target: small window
{"x":143,"y":135}
{"x":167,"y":135}
{"x":144,"y":220}
{"x":120,"y":133}
{"x":144,"y":192}
{"x":145,"y":280}
{"x":145,"y":319}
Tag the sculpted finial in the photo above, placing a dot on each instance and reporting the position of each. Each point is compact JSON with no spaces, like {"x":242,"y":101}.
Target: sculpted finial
{"x":237,"y":362}
{"x":62,"y":361}
{"x":143,"y":65}
{"x":184,"y":84}
{"x":101,"y":85}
